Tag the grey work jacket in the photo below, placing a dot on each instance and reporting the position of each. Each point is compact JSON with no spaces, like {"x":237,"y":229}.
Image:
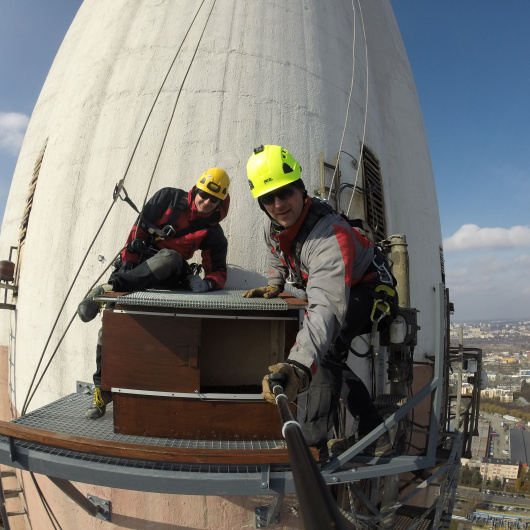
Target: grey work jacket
{"x":333,"y":258}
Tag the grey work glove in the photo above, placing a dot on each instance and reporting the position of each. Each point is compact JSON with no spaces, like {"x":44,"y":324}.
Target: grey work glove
{"x":197,"y":284}
{"x":271,"y":291}
{"x":296,"y":381}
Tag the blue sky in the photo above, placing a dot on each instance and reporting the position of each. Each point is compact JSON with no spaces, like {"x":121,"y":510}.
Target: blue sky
{"x":470,"y":64}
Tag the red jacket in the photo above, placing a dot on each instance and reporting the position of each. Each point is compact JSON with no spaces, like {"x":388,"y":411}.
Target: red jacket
{"x":193,"y":231}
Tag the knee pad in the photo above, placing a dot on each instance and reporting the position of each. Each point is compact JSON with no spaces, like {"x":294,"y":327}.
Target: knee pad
{"x":165,"y":263}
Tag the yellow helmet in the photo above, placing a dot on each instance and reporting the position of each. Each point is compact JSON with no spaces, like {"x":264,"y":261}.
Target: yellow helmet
{"x":271,"y":167}
{"x":214,"y":181}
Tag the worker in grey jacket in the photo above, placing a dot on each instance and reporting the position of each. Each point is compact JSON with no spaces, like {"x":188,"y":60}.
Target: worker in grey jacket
{"x":312,"y":247}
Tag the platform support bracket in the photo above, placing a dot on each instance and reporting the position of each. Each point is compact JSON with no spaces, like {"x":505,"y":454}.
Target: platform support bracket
{"x":269,"y":514}
{"x":81,"y":387}
{"x":265,"y":476}
{"x":94,"y":506}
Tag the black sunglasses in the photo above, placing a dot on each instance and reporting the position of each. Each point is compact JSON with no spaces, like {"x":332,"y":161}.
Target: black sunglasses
{"x":283,"y":193}
{"x":205,"y":196}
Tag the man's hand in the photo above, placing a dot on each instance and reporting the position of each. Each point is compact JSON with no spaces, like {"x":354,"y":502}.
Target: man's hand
{"x":296,"y":381}
{"x":197,"y":284}
{"x":271,"y":291}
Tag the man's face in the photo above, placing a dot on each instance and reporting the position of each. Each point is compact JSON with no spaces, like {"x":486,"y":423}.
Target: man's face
{"x":284,"y":204}
{"x":205,"y":203}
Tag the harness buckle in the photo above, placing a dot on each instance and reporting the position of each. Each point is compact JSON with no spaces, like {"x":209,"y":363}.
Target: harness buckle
{"x":293,"y":280}
{"x":169,"y":231}
{"x":385,"y":276}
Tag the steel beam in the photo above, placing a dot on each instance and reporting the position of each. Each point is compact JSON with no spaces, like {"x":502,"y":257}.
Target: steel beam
{"x":92,"y":505}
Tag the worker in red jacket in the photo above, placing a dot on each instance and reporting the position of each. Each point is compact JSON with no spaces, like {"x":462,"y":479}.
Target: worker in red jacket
{"x":173,"y":225}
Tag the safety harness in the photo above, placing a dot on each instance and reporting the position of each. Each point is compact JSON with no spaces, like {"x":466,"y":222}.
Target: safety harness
{"x":177,"y":206}
{"x":385,"y":299}
{"x":181,"y":203}
{"x":145,"y":248}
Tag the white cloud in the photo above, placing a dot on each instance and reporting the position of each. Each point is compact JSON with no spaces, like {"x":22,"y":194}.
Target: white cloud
{"x":523,"y":260}
{"x":13,"y":126}
{"x":490,"y":286}
{"x":473,"y":237}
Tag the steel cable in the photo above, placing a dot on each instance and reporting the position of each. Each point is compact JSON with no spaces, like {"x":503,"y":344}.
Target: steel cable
{"x":173,"y":113}
{"x":365,"y":110}
{"x":30,"y":389}
{"x":46,"y":505}
{"x":340,"y":150}
{"x":348,"y":105}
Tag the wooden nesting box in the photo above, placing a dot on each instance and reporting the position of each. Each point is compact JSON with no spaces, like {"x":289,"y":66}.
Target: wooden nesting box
{"x":195,"y":374}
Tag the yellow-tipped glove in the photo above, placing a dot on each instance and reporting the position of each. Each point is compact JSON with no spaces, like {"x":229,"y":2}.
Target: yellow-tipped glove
{"x":296,"y":381}
{"x":271,"y":291}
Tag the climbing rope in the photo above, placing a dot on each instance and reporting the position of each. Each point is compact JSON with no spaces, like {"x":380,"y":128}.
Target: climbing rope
{"x":365,"y":110}
{"x":31,"y":393}
{"x":27,"y":400}
{"x":173,"y":113}
{"x":348,"y":105}
{"x":51,"y":516}
{"x":340,"y":150}
{"x":31,"y":390}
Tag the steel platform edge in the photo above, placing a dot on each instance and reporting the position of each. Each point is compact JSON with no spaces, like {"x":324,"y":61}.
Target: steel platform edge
{"x":61,"y":425}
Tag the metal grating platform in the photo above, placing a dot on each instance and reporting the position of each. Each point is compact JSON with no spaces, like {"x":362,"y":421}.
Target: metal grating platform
{"x":224,"y":300}
{"x":407,"y":516}
{"x":67,"y":416}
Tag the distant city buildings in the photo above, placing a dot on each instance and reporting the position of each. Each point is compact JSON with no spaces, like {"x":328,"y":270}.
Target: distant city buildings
{"x":504,"y":470}
{"x":505,"y":356}
{"x":506,"y":363}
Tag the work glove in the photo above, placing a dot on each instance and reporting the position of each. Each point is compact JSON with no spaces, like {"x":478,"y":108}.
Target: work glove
{"x":197,"y":284}
{"x":296,"y":381}
{"x":271,"y":291}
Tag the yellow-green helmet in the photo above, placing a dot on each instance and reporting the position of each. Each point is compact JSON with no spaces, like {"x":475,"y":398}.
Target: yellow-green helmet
{"x":271,"y":167}
{"x":214,"y":181}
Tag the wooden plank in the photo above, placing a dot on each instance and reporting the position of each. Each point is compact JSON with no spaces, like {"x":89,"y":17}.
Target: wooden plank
{"x":235,"y":352}
{"x":147,"y":452}
{"x":143,"y":352}
{"x":291,"y":330}
{"x":277,"y":335}
{"x":170,"y":417}
{"x":293,"y":301}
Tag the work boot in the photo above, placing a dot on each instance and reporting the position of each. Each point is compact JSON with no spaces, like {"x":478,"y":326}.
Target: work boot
{"x":337,"y":446}
{"x":88,"y":309}
{"x":98,"y":408}
{"x":381,"y":447}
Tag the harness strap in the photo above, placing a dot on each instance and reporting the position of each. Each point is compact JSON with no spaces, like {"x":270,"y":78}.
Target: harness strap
{"x":121,"y":192}
{"x":317,"y":210}
{"x":180,"y":205}
{"x":168,"y":230}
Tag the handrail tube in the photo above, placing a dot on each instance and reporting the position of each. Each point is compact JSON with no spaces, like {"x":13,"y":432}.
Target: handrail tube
{"x":319,"y":508}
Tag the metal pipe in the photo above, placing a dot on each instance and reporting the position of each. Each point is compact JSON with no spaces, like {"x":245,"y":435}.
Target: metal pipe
{"x":318,"y":507}
{"x":400,"y":267}
{"x":459,"y":377}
